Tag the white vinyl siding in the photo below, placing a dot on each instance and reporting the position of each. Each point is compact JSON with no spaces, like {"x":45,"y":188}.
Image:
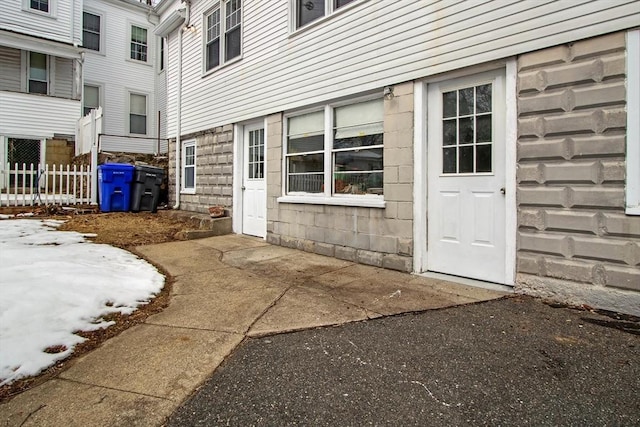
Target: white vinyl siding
{"x":63,"y":23}
{"x":54,"y":115}
{"x":115,"y":72}
{"x":367,"y":45}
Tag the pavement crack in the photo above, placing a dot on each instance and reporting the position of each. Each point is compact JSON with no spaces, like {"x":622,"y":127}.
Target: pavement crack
{"x":431,"y":395}
{"x":116,"y":389}
{"x":269,"y":307}
{"x":31,"y":413}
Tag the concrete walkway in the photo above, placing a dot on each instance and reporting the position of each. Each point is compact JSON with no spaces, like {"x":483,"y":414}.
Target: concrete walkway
{"x":226,"y":288}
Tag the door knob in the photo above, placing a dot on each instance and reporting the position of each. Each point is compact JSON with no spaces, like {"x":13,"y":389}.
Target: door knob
{"x":502,"y":190}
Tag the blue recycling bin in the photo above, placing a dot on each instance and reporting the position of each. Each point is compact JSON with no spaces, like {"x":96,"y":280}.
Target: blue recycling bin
{"x":114,"y":186}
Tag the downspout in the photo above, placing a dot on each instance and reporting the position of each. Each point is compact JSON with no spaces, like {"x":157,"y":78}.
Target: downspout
{"x":179,"y":106}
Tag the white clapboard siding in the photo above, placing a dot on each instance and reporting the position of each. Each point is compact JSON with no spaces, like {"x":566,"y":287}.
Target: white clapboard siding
{"x":45,"y":115}
{"x":10,"y":70}
{"x":114,"y":72}
{"x":63,"y":24}
{"x":368,"y":45}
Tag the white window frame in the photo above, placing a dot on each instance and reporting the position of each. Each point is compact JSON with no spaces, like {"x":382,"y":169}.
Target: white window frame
{"x":633,"y":123}
{"x":146,"y":96}
{"x":100,"y":96}
{"x":147,"y":61}
{"x":48,"y":73}
{"x":221,"y":7}
{"x":183,"y":188}
{"x":102,"y":31}
{"x":327,"y":197}
{"x":51,"y":13}
{"x":330,"y":9}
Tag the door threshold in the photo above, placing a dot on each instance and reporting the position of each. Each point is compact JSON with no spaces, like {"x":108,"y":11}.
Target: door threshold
{"x":467,"y":281}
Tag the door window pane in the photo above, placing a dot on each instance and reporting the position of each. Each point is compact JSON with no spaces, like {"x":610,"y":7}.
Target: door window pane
{"x":467,"y":130}
{"x":255,"y":162}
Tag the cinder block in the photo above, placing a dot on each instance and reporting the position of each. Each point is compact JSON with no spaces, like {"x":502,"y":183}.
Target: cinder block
{"x":565,"y":74}
{"x":529,"y":173}
{"x":386,"y":244}
{"x":571,"y":220}
{"x":543,"y":58}
{"x":398,"y":122}
{"x":597,"y":121}
{"x":542,"y":196}
{"x":554,"y":102}
{"x":405,"y":210}
{"x":273,"y":239}
{"x":544,"y":243}
{"x":576,"y":271}
{"x":622,"y":277}
{"x":405,"y":174}
{"x":335,"y":237}
{"x":531,"y":218}
{"x":616,"y":250}
{"x":621,"y":224}
{"x":529,"y":263}
{"x":391,"y":209}
{"x":532,"y":127}
{"x":613,"y":171}
{"x":346,"y":253}
{"x":398,"y":157}
{"x":325,"y":249}
{"x":397,"y":262}
{"x":391,"y":174}
{"x":603,"y":145}
{"x":586,"y":172}
{"x":369,"y":258}
{"x":598,"y":45}
{"x":597,"y":197}
{"x":359,"y":240}
{"x":289,"y":242}
{"x":399,"y":139}
{"x":402,"y":89}
{"x":596,"y":95}
{"x":398,"y":192}
{"x":405,"y":247}
{"x":543,"y":149}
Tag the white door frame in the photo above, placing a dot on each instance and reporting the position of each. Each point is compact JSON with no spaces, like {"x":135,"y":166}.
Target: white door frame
{"x":420,"y":250}
{"x":238,"y":169}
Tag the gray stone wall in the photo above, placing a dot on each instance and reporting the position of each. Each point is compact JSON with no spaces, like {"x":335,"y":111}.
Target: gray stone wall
{"x":574,"y":239}
{"x":214,"y":170}
{"x":374,"y":236}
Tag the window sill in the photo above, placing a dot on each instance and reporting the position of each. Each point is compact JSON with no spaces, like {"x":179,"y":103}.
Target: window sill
{"x":188,"y":192}
{"x":362,"y":202}
{"x":137,"y":61}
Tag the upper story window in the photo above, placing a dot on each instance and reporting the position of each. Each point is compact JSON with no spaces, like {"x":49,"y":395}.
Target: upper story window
{"x":138,"y":43}
{"x":307,"y":11}
{"x":340,"y":158}
{"x":223,"y":35}
{"x":38,"y":73}
{"x":161,"y":65}
{"x":91,"y":31}
{"x":41,"y":5}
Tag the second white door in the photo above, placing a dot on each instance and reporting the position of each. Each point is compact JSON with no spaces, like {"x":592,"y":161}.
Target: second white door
{"x":254,"y":196}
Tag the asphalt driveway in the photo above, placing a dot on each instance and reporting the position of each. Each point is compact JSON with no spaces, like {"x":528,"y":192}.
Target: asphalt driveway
{"x":514,"y":361}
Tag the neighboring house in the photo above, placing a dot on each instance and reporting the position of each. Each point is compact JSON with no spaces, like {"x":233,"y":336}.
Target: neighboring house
{"x":121,"y":72}
{"x":40,"y":77}
{"x":496,"y":141}
{"x":59,"y":59}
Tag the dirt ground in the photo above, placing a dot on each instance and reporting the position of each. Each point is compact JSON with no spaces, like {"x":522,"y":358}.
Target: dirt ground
{"x":121,"y":229}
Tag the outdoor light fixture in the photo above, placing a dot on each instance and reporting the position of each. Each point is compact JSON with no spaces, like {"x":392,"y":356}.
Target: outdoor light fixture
{"x":388,"y":93}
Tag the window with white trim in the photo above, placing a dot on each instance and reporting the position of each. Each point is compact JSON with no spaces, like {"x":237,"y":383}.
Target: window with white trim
{"x":38,"y":73}
{"x":223,"y":37}
{"x":338,"y":157}
{"x":91,"y":99}
{"x":633,"y":123}
{"x":307,"y":11}
{"x":139,"y":44}
{"x":189,"y":166}
{"x":137,"y":114}
{"x":40,"y":5}
{"x":91,"y":31}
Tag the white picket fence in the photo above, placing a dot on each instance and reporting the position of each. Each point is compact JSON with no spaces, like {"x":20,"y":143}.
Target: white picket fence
{"x":28,"y":185}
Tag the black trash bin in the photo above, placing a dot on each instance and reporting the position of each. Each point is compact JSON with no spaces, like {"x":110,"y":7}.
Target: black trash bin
{"x":145,"y":188}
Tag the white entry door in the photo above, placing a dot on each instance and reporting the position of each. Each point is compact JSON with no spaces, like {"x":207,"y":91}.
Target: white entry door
{"x":466,"y":177}
{"x":254,"y":194}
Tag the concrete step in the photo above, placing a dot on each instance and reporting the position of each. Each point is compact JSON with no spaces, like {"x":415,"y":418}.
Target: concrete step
{"x":203,"y":225}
